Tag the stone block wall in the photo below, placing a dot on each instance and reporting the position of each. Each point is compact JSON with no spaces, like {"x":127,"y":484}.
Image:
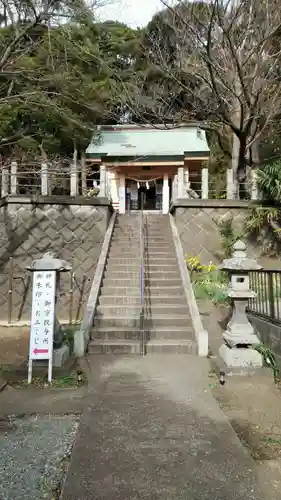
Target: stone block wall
{"x":197,"y":224}
{"x":72,"y":228}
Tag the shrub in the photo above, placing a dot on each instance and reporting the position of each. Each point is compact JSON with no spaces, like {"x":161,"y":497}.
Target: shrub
{"x":208,"y":281}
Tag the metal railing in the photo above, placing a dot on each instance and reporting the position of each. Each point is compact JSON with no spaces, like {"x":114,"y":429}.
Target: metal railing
{"x":267,"y":285}
{"x":142,"y":280}
{"x":51,"y":178}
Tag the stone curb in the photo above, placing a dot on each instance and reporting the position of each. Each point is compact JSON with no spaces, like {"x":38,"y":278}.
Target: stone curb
{"x":202,"y":337}
{"x":199,"y":203}
{"x":55,"y":200}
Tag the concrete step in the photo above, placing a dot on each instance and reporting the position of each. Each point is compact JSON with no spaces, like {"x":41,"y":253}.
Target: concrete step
{"x":131,"y":279}
{"x":134,"y":322}
{"x":125,"y":240}
{"x":134,"y":243}
{"x":148,"y":259}
{"x":159,"y":233}
{"x":135,"y":260}
{"x":151,"y":241}
{"x":128,"y":252}
{"x":149,"y":267}
{"x":129,"y":248}
{"x":170,"y":346}
{"x":133,"y":310}
{"x":119,"y":290}
{"x":128,"y":227}
{"x":151,"y":238}
{"x":170,"y":333}
{"x":125,"y":235}
{"x":154,"y":228}
{"x":133,"y":347}
{"x":150,"y":222}
{"x":114,"y":333}
{"x":135,"y":299}
{"x":149,"y":273}
{"x":183,"y":333}
{"x":131,"y":291}
{"x":159,"y":223}
{"x":115,"y":253}
{"x":116,"y":346}
{"x":135,"y":282}
{"x":156,"y":246}
{"x":147,"y":227}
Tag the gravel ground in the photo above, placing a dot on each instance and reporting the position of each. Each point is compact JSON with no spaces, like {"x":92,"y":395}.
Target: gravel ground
{"x":33,"y":457}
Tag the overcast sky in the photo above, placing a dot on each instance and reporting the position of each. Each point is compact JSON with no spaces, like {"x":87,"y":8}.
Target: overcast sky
{"x":132,"y":12}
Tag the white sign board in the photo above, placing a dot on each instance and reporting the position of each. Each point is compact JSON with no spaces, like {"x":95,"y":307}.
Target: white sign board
{"x":42,"y":316}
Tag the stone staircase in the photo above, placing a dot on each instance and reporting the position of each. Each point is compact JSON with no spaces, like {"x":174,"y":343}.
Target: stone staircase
{"x":168,"y":324}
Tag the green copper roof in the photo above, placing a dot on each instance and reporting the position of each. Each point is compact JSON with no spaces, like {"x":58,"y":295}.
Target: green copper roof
{"x":133,"y":141}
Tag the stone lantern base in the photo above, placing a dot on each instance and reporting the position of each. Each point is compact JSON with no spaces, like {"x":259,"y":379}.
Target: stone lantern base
{"x":240,"y":357}
{"x":240,"y":337}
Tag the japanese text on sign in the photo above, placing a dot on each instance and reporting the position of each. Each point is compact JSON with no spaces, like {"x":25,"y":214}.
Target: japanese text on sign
{"x":42,"y":315}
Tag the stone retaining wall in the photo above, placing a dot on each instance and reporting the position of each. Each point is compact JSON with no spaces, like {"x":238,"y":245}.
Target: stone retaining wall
{"x":73,"y":228}
{"x":197,"y":224}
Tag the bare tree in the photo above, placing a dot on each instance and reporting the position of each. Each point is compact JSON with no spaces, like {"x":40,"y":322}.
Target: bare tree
{"x":224,"y":58}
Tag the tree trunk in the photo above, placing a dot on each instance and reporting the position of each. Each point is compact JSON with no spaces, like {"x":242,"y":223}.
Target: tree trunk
{"x":253,"y":161}
{"x":235,"y":165}
{"x":255,"y":153}
{"x":236,"y":141}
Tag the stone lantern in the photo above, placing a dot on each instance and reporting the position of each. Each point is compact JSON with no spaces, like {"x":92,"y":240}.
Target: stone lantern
{"x":50,"y":263}
{"x":239,"y":336}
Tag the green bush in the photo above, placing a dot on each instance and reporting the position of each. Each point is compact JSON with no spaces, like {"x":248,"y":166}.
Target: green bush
{"x":209,"y":283}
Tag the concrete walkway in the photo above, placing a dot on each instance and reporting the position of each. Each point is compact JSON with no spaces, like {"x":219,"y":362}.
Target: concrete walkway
{"x":152,"y":430}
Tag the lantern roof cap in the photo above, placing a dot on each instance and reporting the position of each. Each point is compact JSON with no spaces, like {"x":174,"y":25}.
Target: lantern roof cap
{"x":49,"y":263}
{"x":239,"y":260}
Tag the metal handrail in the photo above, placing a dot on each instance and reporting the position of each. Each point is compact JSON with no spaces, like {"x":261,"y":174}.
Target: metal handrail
{"x":142,"y":281}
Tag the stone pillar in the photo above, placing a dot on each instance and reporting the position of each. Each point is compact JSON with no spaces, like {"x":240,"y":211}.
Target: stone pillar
{"x":166,"y":195}
{"x":204,"y":184}
{"x":5,"y":182}
{"x":44,"y":179}
{"x":186,"y":178}
{"x":254,"y":185}
{"x":122,"y":194}
{"x":114,"y":190}
{"x":181,"y":184}
{"x":229,"y":185}
{"x":83,"y":174}
{"x":108,"y":185}
{"x":14,"y":168}
{"x":73,"y":179}
{"x":102,"y":192}
{"x":175,"y":188}
{"x":239,"y":337}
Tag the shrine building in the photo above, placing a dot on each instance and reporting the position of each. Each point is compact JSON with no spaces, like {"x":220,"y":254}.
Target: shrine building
{"x":162,"y":162}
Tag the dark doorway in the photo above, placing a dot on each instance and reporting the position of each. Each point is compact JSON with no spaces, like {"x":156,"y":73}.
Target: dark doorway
{"x":148,"y":196}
